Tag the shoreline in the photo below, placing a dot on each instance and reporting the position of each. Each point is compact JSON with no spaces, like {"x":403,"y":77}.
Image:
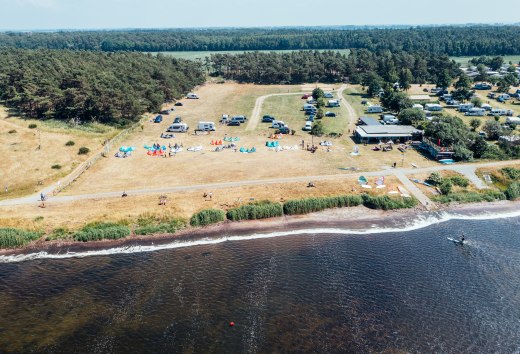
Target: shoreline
{"x":357,"y":220}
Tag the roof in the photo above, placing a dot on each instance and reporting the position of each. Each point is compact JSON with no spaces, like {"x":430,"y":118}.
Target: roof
{"x":369,"y":121}
{"x":372,"y":131}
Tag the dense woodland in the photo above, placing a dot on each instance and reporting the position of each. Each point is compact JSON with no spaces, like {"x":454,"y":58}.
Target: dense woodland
{"x":360,"y":66}
{"x":114,"y":88}
{"x":450,"y":40}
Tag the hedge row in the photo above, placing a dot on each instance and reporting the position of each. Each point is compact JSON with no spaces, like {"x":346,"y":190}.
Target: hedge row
{"x":309,"y":205}
{"x":101,"y":231}
{"x":385,"y":202}
{"x":260,"y":210}
{"x":470,"y":197}
{"x":207,"y":217}
{"x":10,"y":238}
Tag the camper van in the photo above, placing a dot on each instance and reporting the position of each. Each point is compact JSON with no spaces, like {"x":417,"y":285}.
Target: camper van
{"x":277,"y":124}
{"x":178,"y":128}
{"x":476,"y":112}
{"x":497,"y":112}
{"x":465,"y":107}
{"x":206,"y":126}
{"x":192,"y":96}
{"x":433,"y":107}
{"x":328,"y":95}
{"x":375,"y":109}
{"x":333,"y":103}
{"x":513,"y":120}
{"x":308,"y":107}
{"x":418,"y":106}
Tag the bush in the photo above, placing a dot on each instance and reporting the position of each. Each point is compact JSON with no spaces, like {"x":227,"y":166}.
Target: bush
{"x":157,"y":224}
{"x":513,"y":191}
{"x":446,"y":187}
{"x":309,"y":205}
{"x":435,"y":178}
{"x":70,"y":143}
{"x":56,"y":167}
{"x":459,"y":181}
{"x":385,"y":202}
{"x":60,"y":233}
{"x":33,"y":126}
{"x":511,"y":173}
{"x":207,"y":217}
{"x":157,"y":229}
{"x":83,"y":150}
{"x":259,"y":210}
{"x":12,"y":131}
{"x":101,"y":231}
{"x":470,"y":197}
{"x":11,"y":238}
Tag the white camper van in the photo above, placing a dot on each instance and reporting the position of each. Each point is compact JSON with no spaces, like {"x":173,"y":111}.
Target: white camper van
{"x":333,"y":103}
{"x":192,"y":96}
{"x":476,"y":112}
{"x":433,"y":107}
{"x":465,"y":107}
{"x":178,"y":128}
{"x":206,"y":126}
{"x":375,"y":109}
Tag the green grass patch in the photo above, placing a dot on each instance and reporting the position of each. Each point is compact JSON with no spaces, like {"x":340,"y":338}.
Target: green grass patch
{"x":60,"y":233}
{"x":70,"y":143}
{"x":12,"y":238}
{"x":207,"y":217}
{"x":254,"y":211}
{"x":470,"y":197}
{"x":158,"y":224}
{"x":386,"y":202}
{"x":511,"y":173}
{"x":310,"y":205}
{"x":513,"y":191}
{"x":83,"y":150}
{"x":101,"y":231}
{"x":459,"y":181}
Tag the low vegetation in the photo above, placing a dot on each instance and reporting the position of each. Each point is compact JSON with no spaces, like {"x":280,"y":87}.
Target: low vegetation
{"x":148,"y":224}
{"x":101,"y":231}
{"x":207,"y":217}
{"x":12,"y":238}
{"x":260,"y":210}
{"x":310,"y":205}
{"x":70,"y":143}
{"x":470,"y":197}
{"x":83,"y":150}
{"x":385,"y":202}
{"x":56,"y":167}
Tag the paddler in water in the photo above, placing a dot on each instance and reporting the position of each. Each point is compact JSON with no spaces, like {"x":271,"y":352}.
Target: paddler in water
{"x":462,"y":238}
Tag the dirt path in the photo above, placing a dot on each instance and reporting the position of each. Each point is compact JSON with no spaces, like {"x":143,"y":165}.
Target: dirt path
{"x":350,"y":111}
{"x":401,"y":173}
{"x":257,"y":110}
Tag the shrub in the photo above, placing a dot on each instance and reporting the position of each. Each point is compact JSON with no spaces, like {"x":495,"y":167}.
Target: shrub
{"x":101,"y":231}
{"x":32,"y":126}
{"x":60,"y":233}
{"x":259,"y":210}
{"x":56,"y":167}
{"x":435,"y":178}
{"x":513,"y":191}
{"x":11,"y":238}
{"x":207,"y":217}
{"x":385,"y":202}
{"x":83,"y":150}
{"x":309,"y":205}
{"x":470,"y":197}
{"x":446,"y":187}
{"x":156,"y":229}
{"x":158,"y":225}
{"x":12,"y":131}
{"x":511,"y":173}
{"x":70,"y":143}
{"x":459,"y":181}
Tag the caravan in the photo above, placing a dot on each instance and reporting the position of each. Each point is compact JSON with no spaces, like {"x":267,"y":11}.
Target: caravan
{"x":476,"y":112}
{"x":433,"y":107}
{"x":192,"y":96}
{"x":178,"y":128}
{"x":206,"y":126}
{"x":375,"y":109}
{"x":465,"y":107}
{"x":333,"y":103}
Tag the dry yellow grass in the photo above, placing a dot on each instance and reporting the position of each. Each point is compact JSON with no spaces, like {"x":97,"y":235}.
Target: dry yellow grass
{"x":182,"y":204}
{"x":23,"y":165}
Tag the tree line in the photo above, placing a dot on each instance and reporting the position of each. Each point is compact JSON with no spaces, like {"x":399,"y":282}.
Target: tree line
{"x":451,"y":40}
{"x":113,"y":88}
{"x":361,"y":66}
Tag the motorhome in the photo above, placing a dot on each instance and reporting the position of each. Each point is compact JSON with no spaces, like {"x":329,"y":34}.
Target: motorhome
{"x":476,"y":112}
{"x":375,"y":109}
{"x":333,"y":103}
{"x":433,"y":107}
{"x":465,"y":107}
{"x":178,"y":128}
{"x":206,"y":126}
{"x":497,"y":112}
{"x":192,"y":96}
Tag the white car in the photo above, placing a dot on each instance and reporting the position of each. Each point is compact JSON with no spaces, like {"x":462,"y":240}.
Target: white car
{"x":307,"y":127}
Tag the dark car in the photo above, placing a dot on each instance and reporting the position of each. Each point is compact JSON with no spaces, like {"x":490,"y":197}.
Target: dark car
{"x":234,"y":123}
{"x":330,"y":114}
{"x":283,"y":130}
{"x":311,"y":118}
{"x":177,"y":120}
{"x":267,"y":119}
{"x":158,"y":119}
{"x":178,"y":104}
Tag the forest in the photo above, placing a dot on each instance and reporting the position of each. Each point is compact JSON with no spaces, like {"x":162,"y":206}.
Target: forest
{"x":473,"y":40}
{"x":361,"y":66}
{"x":112,"y":88}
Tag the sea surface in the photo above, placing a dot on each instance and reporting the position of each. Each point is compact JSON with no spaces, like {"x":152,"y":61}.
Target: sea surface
{"x":327,"y":291}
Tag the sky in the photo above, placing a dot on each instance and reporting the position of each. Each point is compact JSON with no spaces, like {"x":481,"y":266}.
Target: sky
{"x":105,"y":14}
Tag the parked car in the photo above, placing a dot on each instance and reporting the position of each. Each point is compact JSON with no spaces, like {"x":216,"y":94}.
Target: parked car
{"x":178,"y":104}
{"x":491,"y":95}
{"x":310,"y":118}
{"x":158,"y":119}
{"x":307,"y":127}
{"x":167,"y":111}
{"x":177,"y":119}
{"x":305,"y":96}
{"x":240,"y":119}
{"x":328,"y":95}
{"x":330,"y":114}
{"x":267,"y":119}
{"x":234,"y":123}
{"x":283,"y":130}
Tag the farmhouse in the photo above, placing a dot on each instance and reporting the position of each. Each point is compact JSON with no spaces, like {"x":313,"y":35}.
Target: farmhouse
{"x":376,"y":133}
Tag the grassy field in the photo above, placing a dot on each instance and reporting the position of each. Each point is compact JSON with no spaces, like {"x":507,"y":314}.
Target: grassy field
{"x":27,"y":168}
{"x":464,"y":61}
{"x":204,"y":54}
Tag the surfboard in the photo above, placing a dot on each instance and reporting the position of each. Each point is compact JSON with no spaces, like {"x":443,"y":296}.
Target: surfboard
{"x":458,"y":242}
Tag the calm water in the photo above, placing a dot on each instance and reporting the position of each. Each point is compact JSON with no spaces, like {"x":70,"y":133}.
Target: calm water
{"x":333,"y":293}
